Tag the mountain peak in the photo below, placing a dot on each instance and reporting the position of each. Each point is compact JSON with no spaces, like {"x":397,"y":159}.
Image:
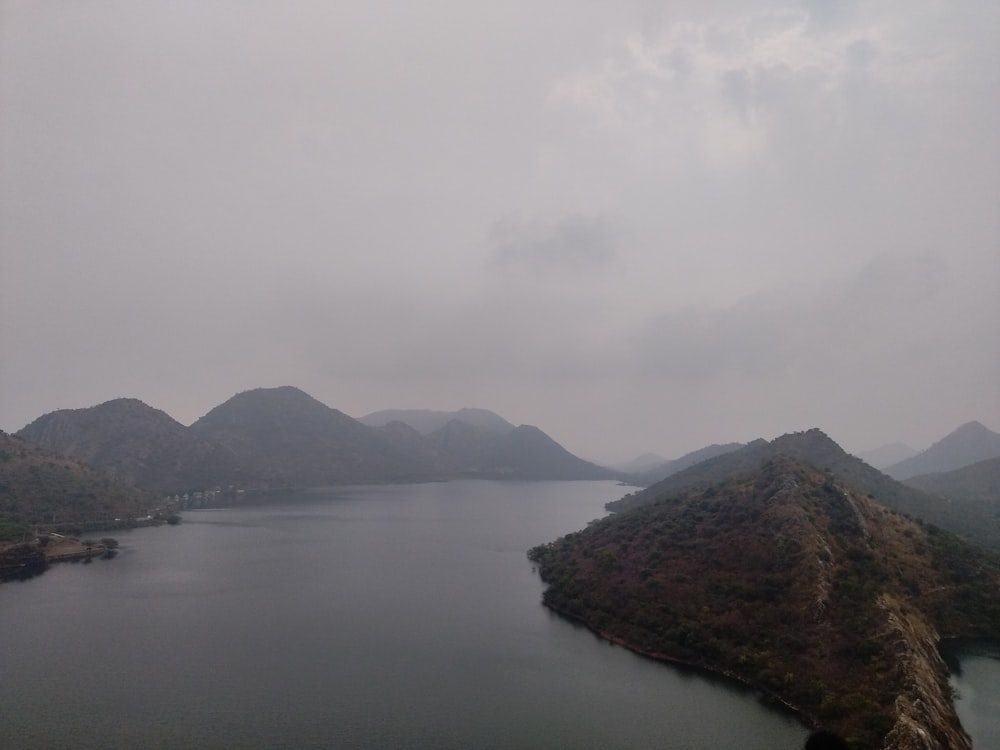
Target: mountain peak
{"x":793,"y":581}
{"x":969,"y":444}
{"x":426,"y":421}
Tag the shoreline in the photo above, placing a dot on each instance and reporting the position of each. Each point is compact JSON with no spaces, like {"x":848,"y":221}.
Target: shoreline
{"x":767,"y":696}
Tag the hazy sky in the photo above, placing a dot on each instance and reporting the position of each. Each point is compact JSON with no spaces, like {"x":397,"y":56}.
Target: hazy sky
{"x":641,"y":226}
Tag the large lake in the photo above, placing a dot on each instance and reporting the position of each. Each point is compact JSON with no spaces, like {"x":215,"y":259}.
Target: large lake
{"x":362,"y":617}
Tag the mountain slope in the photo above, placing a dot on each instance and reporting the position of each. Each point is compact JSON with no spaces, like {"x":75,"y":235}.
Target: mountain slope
{"x":528,"y":453}
{"x":967,"y":500}
{"x":816,"y":449}
{"x":426,"y":421}
{"x":39,"y":486}
{"x":792,"y":582}
{"x":133,"y":443}
{"x":976,"y":482}
{"x":524,"y":452}
{"x":285,"y":436}
{"x":642,"y":464}
{"x":969,"y":444}
{"x":669,"y":468}
{"x":282,"y":437}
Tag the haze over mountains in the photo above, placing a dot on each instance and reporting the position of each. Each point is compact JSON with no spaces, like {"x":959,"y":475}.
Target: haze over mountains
{"x":284,"y":438}
{"x":788,"y":544}
{"x":887,"y":455}
{"x":274,"y":437}
{"x":970,"y":443}
{"x":426,"y":421}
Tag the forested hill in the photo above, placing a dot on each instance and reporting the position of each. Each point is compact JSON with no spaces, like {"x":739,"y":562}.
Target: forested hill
{"x":135,"y":443}
{"x":815,"y":448}
{"x":38,"y":486}
{"x":796,"y":583}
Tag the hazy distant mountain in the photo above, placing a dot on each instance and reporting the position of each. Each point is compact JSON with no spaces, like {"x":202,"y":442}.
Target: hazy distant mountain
{"x":133,"y":443}
{"x":887,"y":455}
{"x":468,"y":449}
{"x":669,"y":468}
{"x":524,"y":452}
{"x":285,"y":436}
{"x":978,"y":482}
{"x":41,"y":486}
{"x":290,"y":437}
{"x":528,"y":453}
{"x":640,"y":464}
{"x":426,"y":421}
{"x":968,"y":444}
{"x":816,"y":449}
{"x":794,"y":582}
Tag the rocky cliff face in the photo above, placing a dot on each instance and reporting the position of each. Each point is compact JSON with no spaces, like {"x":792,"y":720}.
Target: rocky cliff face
{"x":925,"y":715}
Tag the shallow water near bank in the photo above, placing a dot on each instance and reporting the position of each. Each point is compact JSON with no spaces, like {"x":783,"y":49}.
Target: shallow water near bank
{"x":390,"y":616}
{"x":975,"y":677}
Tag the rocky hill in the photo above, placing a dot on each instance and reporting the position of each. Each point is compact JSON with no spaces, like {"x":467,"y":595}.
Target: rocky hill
{"x":794,"y":582}
{"x":41,"y":487}
{"x":816,"y":449}
{"x":969,"y":444}
{"x":134,"y":444}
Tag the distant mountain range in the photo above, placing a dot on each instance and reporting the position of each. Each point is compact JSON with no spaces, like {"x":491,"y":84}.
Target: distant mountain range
{"x":641,"y":464}
{"x":969,"y":444}
{"x":653,"y":472}
{"x":283,"y":437}
{"x":426,"y":421}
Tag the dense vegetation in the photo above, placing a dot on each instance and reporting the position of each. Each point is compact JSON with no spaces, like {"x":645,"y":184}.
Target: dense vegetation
{"x":786,"y":580}
{"x":977,"y":520}
{"x":41,"y":487}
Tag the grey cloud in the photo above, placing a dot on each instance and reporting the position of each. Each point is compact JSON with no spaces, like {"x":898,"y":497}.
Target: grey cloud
{"x":201,"y":198}
{"x":572,"y":243}
{"x":870,"y":318}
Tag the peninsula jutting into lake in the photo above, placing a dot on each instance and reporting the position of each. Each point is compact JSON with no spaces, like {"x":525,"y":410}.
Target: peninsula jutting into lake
{"x":792,"y":582}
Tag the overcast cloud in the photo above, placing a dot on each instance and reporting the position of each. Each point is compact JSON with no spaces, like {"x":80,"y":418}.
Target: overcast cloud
{"x":641,"y":226}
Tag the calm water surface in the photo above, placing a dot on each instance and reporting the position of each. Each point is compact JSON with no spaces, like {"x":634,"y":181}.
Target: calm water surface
{"x":976,"y":679}
{"x":372,"y":617}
